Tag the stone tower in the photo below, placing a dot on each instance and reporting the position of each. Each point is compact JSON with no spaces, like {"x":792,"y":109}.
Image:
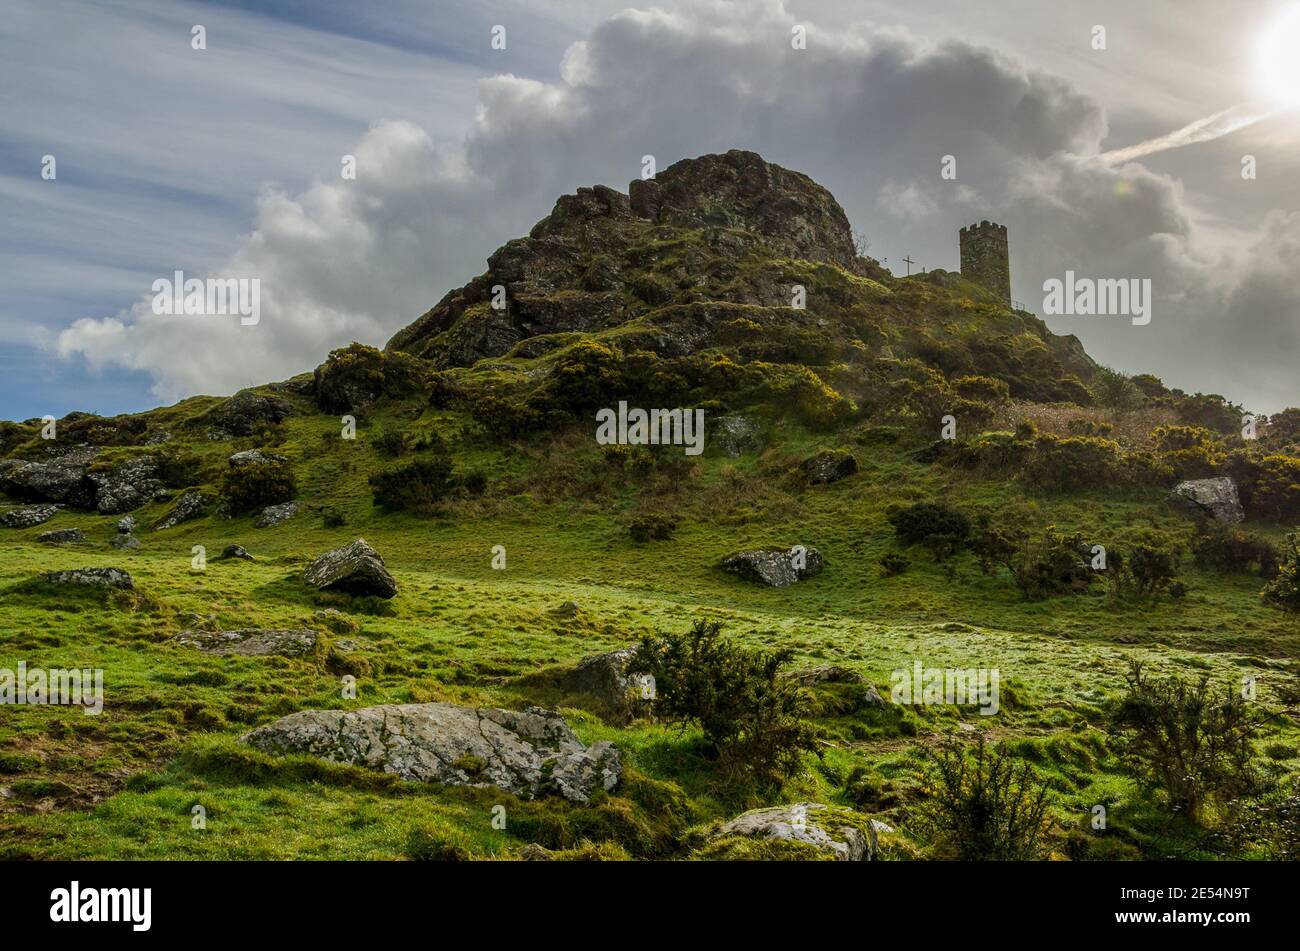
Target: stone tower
{"x":984,"y":258}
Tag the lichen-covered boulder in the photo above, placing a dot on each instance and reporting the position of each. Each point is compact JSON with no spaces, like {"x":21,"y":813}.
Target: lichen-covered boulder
{"x":735,"y":435}
{"x":829,"y":466}
{"x":527,"y":754}
{"x":28,"y":516}
{"x":802,"y":830}
{"x":1210,"y":498}
{"x":825,"y":674}
{"x":128,"y":485}
{"x":245,"y":411}
{"x":92,"y":577}
{"x":273,"y":515}
{"x":605,"y":679}
{"x":59,"y":480}
{"x":356,"y":569}
{"x":62,"y":536}
{"x":252,"y":642}
{"x":776,"y":567}
{"x":191,"y":505}
{"x":250,"y":456}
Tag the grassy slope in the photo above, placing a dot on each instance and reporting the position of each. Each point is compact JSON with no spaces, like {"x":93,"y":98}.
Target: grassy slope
{"x":123,"y":784}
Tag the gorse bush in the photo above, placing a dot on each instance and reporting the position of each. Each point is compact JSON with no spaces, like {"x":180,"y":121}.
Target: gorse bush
{"x":1142,"y":571}
{"x":938,"y":527}
{"x":1284,"y":590}
{"x":256,"y":485}
{"x":983,"y":805}
{"x":1192,"y":743}
{"x":1041,"y":564}
{"x":652,"y":527}
{"x":1228,"y":549}
{"x":356,"y":375}
{"x":418,"y":486}
{"x":752,"y":717}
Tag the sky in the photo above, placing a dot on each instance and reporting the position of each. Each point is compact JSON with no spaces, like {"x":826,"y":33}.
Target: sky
{"x":226,"y":161}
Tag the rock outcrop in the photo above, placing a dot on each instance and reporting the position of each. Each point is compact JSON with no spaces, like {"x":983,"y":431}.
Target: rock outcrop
{"x":810,"y":827}
{"x":244,"y":412}
{"x":252,"y":642}
{"x":273,"y":515}
{"x":776,"y":567}
{"x":92,"y":577}
{"x":527,"y":754}
{"x":28,"y":516}
{"x":191,"y":505}
{"x":605,"y":679}
{"x":62,"y":536}
{"x":355,"y":569}
{"x":1209,"y":498}
{"x":829,"y":466}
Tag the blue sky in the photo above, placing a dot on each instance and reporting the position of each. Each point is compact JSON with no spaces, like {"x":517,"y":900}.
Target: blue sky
{"x":226,"y":161}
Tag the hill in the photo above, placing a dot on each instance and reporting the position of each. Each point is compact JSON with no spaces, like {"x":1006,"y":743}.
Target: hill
{"x":465,"y":454}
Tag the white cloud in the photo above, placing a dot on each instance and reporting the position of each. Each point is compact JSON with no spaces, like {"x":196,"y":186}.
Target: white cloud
{"x":865,"y":111}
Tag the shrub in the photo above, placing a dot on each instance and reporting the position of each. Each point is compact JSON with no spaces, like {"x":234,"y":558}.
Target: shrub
{"x":474,"y":482}
{"x":390,"y":442}
{"x":1143,"y":571}
{"x":1114,"y":390}
{"x":1192,"y":452}
{"x":1041,"y":565}
{"x":1284,"y":590}
{"x":982,"y":389}
{"x":418,"y":487}
{"x":892,"y":563}
{"x":1074,"y":463}
{"x":939,"y":527}
{"x":356,"y":375}
{"x":751,"y":715}
{"x":1187,"y":741}
{"x":983,"y":805}
{"x":1275,"y":489}
{"x":652,"y":527}
{"x":179,"y":470}
{"x":257,"y":485}
{"x":1227,"y":549}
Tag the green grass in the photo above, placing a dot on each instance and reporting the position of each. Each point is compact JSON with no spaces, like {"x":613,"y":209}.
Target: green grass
{"x":122,"y":785}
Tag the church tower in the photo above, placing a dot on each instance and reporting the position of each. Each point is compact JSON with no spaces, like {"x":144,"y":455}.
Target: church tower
{"x":985,"y":259}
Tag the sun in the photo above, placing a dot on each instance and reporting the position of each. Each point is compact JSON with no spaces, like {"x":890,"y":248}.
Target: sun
{"x":1279,"y":59}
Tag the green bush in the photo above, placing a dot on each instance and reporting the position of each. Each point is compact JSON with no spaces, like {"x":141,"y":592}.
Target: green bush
{"x":652,"y":527}
{"x":1142,"y":571}
{"x":390,"y":442}
{"x":356,"y":375}
{"x":418,"y":486}
{"x":1188,"y":741}
{"x":1284,"y":590}
{"x":1041,"y":564}
{"x":256,"y":485}
{"x":474,"y":482}
{"x":984,"y":806}
{"x":1075,"y":463}
{"x":892,"y":563}
{"x":938,"y":527}
{"x":752,"y":717}
{"x":1229,"y":550}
